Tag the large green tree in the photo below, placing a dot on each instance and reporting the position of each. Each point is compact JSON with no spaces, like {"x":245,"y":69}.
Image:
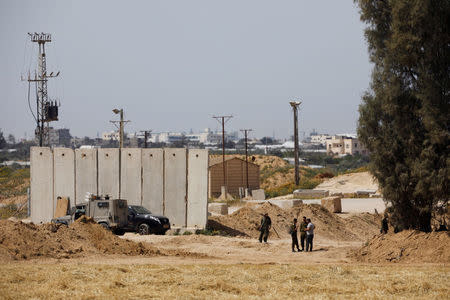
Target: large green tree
{"x":404,"y":117}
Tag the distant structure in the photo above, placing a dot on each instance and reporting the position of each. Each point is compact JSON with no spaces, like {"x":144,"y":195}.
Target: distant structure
{"x":111,"y":135}
{"x":236,"y":175}
{"x":207,"y":137}
{"x":345,"y":144}
{"x":59,"y":137}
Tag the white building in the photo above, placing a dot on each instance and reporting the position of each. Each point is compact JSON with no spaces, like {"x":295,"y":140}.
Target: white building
{"x":207,"y":137}
{"x":345,"y":144}
{"x":111,"y":135}
{"x":319,"y":139}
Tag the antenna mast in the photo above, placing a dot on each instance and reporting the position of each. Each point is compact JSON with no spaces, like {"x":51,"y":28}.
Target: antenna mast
{"x":46,"y":109}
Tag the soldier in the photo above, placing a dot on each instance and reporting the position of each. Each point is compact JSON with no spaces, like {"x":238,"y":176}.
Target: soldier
{"x":266,"y":223}
{"x":303,"y":226}
{"x":384,"y":225}
{"x":309,"y":235}
{"x":293,"y":232}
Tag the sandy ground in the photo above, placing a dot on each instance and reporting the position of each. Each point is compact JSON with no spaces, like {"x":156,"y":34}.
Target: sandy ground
{"x":349,"y":183}
{"x":231,"y":250}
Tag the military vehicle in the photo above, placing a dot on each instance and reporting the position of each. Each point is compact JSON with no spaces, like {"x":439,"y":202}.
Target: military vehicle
{"x":112,"y":214}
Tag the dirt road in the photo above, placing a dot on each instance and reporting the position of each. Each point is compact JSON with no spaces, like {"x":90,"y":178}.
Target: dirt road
{"x":231,"y":250}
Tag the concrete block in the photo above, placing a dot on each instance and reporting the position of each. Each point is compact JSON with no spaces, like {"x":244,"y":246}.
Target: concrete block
{"x":153,"y":180}
{"x":333,"y":204}
{"x":218,"y":208}
{"x":306,"y":193}
{"x":108,"y":172}
{"x":85,"y":173}
{"x":286,"y":204}
{"x":175,"y":186}
{"x":62,"y":206}
{"x":131,"y":176}
{"x":258,"y":194}
{"x":197,"y":179}
{"x":64,"y":175}
{"x":41,"y":174}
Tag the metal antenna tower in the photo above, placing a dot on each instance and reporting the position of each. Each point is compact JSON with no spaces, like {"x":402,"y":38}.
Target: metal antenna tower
{"x":46,"y":110}
{"x":295,"y":105}
{"x":222,"y":120}
{"x":246,"y":131}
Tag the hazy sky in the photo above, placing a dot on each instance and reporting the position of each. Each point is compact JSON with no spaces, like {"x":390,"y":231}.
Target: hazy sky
{"x":172,"y":65}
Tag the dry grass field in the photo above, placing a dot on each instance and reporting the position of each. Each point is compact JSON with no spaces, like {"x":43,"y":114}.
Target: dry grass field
{"x":238,"y":281}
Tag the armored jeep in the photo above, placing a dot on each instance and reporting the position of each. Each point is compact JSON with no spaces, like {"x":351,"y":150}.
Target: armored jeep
{"x":112,"y":214}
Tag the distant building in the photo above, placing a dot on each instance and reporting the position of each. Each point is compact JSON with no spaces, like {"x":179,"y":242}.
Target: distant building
{"x":59,"y":137}
{"x":205,"y":137}
{"x":111,"y":135}
{"x":343,"y":144}
{"x":235,"y":175}
{"x":319,"y":139}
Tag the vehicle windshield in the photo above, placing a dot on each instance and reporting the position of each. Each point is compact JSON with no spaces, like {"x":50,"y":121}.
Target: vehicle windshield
{"x":140,"y":209}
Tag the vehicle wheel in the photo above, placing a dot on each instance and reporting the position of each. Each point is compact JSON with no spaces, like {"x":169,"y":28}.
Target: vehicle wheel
{"x":104,"y":225}
{"x":143,"y":229}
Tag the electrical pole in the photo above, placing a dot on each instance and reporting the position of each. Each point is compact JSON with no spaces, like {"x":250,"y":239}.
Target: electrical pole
{"x":295,"y":105}
{"x":222,"y":120}
{"x":121,"y":127}
{"x":46,"y":111}
{"x":146,"y":136}
{"x":246,"y":131}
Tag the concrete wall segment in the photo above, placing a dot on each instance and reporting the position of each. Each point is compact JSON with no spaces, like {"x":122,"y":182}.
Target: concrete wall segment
{"x":85,"y":173}
{"x":131,"y":175}
{"x":197,"y":198}
{"x":41,"y":174}
{"x":153,"y":180}
{"x":64,"y":175}
{"x":108,"y":172}
{"x":175,"y":186}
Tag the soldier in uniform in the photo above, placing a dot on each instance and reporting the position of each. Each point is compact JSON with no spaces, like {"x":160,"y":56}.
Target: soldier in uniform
{"x":266,"y":223}
{"x":384,"y":225}
{"x":293,"y":232}
{"x":303,"y":226}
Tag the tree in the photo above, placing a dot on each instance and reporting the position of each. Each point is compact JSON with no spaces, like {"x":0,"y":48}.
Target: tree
{"x":11,"y":139}
{"x":266,"y":141}
{"x":2,"y":140}
{"x":404,"y":117}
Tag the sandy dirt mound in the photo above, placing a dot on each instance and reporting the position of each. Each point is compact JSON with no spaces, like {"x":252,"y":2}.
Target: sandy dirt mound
{"x":245,"y":222}
{"x":349,"y":183}
{"x":19,"y":241}
{"x":406,"y":246}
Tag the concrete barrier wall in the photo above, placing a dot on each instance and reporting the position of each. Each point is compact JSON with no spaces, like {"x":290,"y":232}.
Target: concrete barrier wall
{"x":41,"y":172}
{"x":175,"y":185}
{"x":85,"y":173}
{"x":131,"y":176}
{"x":108,"y":172}
{"x":197,"y":205}
{"x":64,"y":175}
{"x":153,"y":180}
{"x":172,"y":182}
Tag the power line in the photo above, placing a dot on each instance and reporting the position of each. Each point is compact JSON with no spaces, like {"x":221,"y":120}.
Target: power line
{"x":223,"y":120}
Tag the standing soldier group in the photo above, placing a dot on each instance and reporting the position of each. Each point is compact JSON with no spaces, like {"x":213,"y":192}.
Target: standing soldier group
{"x":306,"y":232}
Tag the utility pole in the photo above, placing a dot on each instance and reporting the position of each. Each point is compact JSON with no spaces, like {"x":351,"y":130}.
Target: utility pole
{"x":146,"y":136}
{"x":121,"y":127}
{"x":246,"y":131}
{"x":46,"y":110}
{"x":222,"y":120}
{"x":295,"y":105}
